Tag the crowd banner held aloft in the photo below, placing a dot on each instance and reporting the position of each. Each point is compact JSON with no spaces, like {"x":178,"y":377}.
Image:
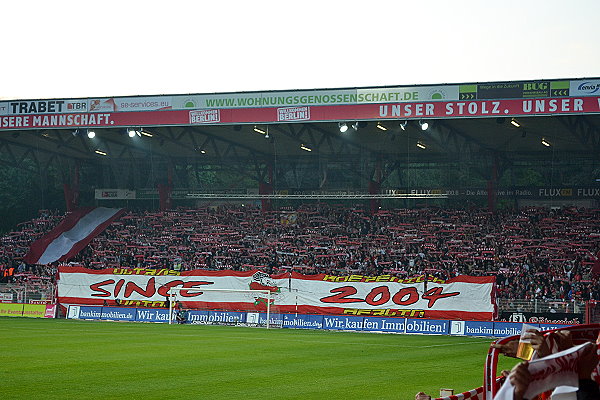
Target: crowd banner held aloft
{"x":463,"y":297}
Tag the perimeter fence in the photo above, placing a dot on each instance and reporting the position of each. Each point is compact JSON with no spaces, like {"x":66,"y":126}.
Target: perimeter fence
{"x":27,"y":293}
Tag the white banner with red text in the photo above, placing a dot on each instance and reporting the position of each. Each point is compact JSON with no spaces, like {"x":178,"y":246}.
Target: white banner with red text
{"x":463,"y":297}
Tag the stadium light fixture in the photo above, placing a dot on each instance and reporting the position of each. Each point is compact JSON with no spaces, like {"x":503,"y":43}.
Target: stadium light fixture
{"x":403,"y":125}
{"x":202,"y":151}
{"x":91,"y":134}
{"x":424,"y":125}
{"x":380,"y":126}
{"x":515,"y":123}
{"x":355,"y":126}
{"x":102,"y":153}
{"x":421,"y":145}
{"x":546,"y":143}
{"x":343,"y":126}
{"x":131,"y":132}
{"x":147,"y":134}
{"x":258,"y":130}
{"x":267,"y":134}
{"x":303,"y":147}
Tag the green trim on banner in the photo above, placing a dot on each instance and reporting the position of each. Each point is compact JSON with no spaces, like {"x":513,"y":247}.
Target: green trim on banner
{"x":468,"y":89}
{"x":559,"y":85}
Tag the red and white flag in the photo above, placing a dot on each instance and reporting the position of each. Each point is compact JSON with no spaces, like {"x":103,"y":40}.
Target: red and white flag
{"x":71,"y":235}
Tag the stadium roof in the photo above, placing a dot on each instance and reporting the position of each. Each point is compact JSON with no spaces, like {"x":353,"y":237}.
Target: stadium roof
{"x":504,"y":120}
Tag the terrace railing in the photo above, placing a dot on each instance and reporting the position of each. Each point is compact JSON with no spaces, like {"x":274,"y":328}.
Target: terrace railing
{"x":27,"y":293}
{"x":541,"y":306}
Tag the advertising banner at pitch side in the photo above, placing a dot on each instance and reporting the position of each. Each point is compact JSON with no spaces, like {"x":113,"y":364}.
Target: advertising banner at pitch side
{"x":463,"y":297}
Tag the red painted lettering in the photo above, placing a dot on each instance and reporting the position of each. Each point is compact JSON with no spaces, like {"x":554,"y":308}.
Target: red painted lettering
{"x":118,"y":287}
{"x":378,"y":296}
{"x":149,"y":292}
{"x":341,"y":295}
{"x":434,"y":294}
{"x":411,"y":292}
{"x":96,"y":287}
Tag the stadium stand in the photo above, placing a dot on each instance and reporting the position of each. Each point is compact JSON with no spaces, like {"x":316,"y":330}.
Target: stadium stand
{"x":535,"y":253}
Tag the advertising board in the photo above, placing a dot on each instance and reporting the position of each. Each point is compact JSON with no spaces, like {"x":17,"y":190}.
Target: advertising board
{"x":34,"y":310}
{"x":491,"y":329}
{"x":152,"y":315}
{"x":494,"y":99}
{"x":542,"y":317}
{"x":11,"y":310}
{"x":118,"y":313}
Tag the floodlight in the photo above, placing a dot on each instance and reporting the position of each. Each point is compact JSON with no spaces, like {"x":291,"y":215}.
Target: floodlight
{"x":343,"y":127}
{"x":424,"y":125}
{"x":91,"y":134}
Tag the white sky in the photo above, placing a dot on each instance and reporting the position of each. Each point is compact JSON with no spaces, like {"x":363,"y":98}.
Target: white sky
{"x":99,"y":48}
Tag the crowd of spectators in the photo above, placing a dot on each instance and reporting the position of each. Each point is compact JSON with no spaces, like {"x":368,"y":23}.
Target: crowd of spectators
{"x":535,"y":252}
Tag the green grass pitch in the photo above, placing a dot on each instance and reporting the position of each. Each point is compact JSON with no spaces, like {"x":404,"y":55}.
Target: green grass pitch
{"x":67,"y":359}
